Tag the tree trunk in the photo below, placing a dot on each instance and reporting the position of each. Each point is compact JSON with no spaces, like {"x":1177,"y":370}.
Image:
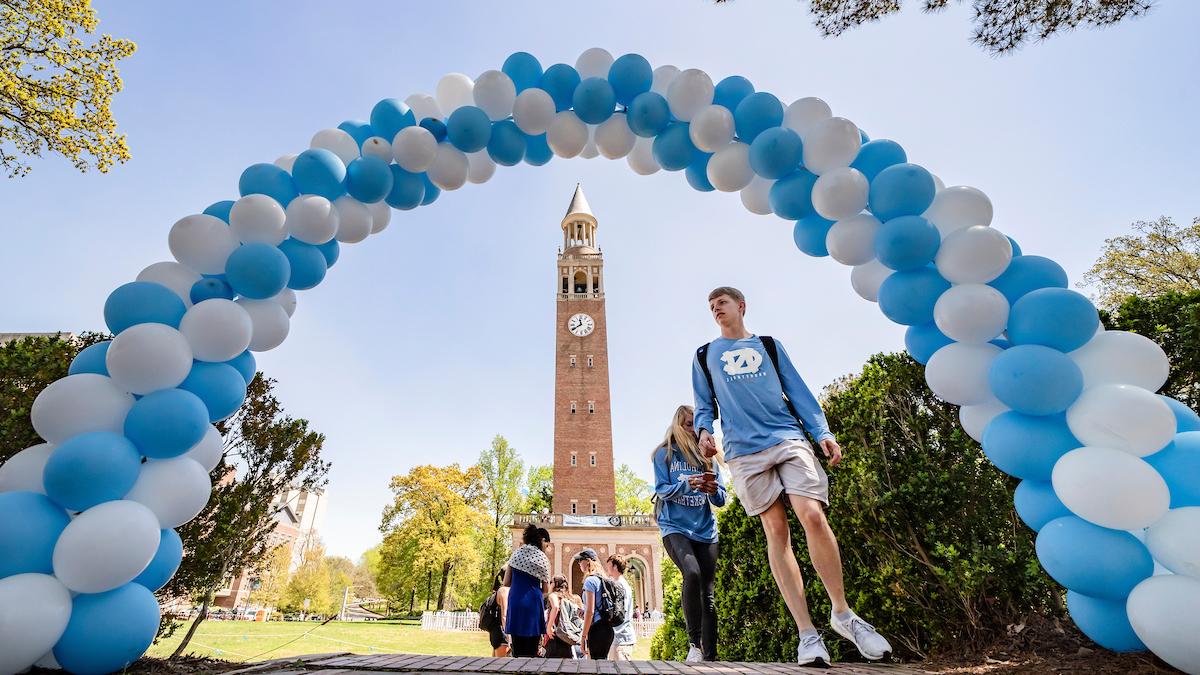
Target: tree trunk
{"x":441,"y":604}
{"x":412,"y":601}
{"x":428,"y":588}
{"x":195,"y":624}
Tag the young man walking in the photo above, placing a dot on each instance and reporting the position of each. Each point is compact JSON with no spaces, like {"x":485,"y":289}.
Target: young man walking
{"x":744,"y":385}
{"x":624,"y":636}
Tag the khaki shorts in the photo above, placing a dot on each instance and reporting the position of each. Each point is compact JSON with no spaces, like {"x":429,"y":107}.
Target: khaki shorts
{"x":620,"y":652}
{"x":788,"y":468}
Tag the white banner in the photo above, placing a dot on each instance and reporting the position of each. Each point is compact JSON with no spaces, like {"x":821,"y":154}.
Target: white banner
{"x":590,"y":521}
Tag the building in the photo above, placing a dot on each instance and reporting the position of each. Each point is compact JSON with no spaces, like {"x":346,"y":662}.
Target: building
{"x":585,"y":504}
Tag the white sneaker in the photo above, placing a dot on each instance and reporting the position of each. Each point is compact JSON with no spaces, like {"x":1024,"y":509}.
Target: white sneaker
{"x":870,"y":643}
{"x":694,"y":655}
{"x":812,"y":652}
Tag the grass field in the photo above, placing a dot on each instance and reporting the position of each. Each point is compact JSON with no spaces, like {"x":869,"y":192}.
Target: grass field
{"x":252,"y":641}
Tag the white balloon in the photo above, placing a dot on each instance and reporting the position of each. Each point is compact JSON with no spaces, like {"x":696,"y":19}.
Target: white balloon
{"x":971,"y":313}
{"x":1122,"y":417}
{"x":1162,"y":611}
{"x":712,"y":128}
{"x":663,"y":77}
{"x":594,"y":62}
{"x":1121,"y":357}
{"x":614,"y":139}
{"x":106,"y":546}
{"x":480,"y":167}
{"x":257,"y":218}
{"x":804,"y":114}
{"x":975,"y":418}
{"x":1110,"y":488}
{"x":831,"y":144}
{"x":270,"y":321}
{"x":379,"y":148}
{"x":868,"y":277}
{"x":216,"y":329}
{"x":414,"y":148}
{"x":338,"y":142}
{"x":423,"y":106}
{"x":311,"y":219}
{"x":148,"y":357}
{"x":495,"y":94}
{"x":208,"y":452}
{"x":973,"y":255}
{"x":450,"y":167}
{"x":287,"y":300}
{"x":174,"y":489}
{"x":286,"y":162}
{"x":959,"y":207}
{"x":756,"y":196}
{"x":840,"y":193}
{"x":354,"y":220}
{"x":1174,"y":541}
{"x":590,"y":149}
{"x":34,"y":611}
{"x":175,"y":276}
{"x":80,"y":403}
{"x":202,"y":242}
{"x":454,"y":91}
{"x":48,"y":661}
{"x":729,"y":168}
{"x":381,"y":215}
{"x":958,"y":372}
{"x":938,"y":185}
{"x":641,"y":158}
{"x":23,"y":471}
{"x":852,"y":241}
{"x":567,"y":135}
{"x":689,"y":92}
{"x":533,"y":111}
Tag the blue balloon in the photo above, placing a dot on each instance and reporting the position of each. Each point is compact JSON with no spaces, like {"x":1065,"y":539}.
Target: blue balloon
{"x":108,"y":631}
{"x":408,"y":189}
{"x":730,"y":91}
{"x":257,"y":271}
{"x":331,"y":250}
{"x":922,"y":340}
{"x":435,"y":127}
{"x":1027,"y":446}
{"x":1001,"y":343}
{"x":1186,"y":419}
{"x":318,"y":171}
{"x":673,"y":149}
{"x":1016,"y":250}
{"x":630,"y":75}
{"x":142,"y":302}
{"x":221,"y":209}
{"x":29,"y":527}
{"x":93,"y":360}
{"x":1106,"y":622}
{"x":506,"y":146}
{"x":468,"y":129}
{"x":359,"y":130}
{"x":523,"y":69}
{"x":755,"y":114}
{"x":697,"y":172}
{"x":306,"y":262}
{"x":901,"y":190}
{"x":431,"y":191}
{"x":245,"y":364}
{"x":92,"y":468}
{"x":537,"y":150}
{"x":167,"y":423}
{"x":791,"y":196}
{"x":164,"y":563}
{"x":908,"y":297}
{"x":1028,"y":273}
{"x":560,"y":81}
{"x":1054,"y":317}
{"x":1179,"y":465}
{"x":1035,"y":380}
{"x":594,"y":100}
{"x":209,"y":288}
{"x":1093,"y":560}
{"x":270,"y":180}
{"x":863,"y":137}
{"x":810,"y":233}
{"x":648,"y":115}
{"x":368,"y":179}
{"x":1037,"y":504}
{"x":389,"y":116}
{"x":878,"y":155}
{"x":776,"y":152}
{"x":220,"y":387}
{"x":907,"y":243}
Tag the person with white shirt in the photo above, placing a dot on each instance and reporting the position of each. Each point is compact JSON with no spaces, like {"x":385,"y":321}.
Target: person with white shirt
{"x":624,"y":635}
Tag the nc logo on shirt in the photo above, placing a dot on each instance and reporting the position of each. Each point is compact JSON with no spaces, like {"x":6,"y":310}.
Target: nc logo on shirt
{"x":742,"y":361}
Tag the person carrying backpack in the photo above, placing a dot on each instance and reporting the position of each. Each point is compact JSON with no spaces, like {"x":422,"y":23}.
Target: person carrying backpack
{"x":624,"y":634}
{"x":564,"y":625}
{"x":492,"y":615}
{"x":597,"y":628}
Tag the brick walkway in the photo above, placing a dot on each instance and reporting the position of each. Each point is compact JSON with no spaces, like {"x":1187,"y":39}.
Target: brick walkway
{"x":351,"y":664}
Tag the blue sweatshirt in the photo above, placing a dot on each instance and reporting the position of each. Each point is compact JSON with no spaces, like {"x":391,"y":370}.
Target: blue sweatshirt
{"x":683,"y":509}
{"x":754,"y":416}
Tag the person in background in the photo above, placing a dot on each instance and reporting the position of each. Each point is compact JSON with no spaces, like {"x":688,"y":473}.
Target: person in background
{"x":560,"y":602}
{"x":597,"y":634}
{"x":528,"y":577}
{"x":496,"y":635}
{"x":624,"y":636}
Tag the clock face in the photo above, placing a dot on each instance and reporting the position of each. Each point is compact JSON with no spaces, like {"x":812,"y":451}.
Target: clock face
{"x":581,"y":325}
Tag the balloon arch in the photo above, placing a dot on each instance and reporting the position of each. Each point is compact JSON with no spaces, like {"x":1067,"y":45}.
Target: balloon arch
{"x":1110,"y":471}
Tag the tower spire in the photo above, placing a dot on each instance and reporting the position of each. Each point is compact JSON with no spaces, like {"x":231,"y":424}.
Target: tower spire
{"x":579,"y":204}
{"x":579,"y":225}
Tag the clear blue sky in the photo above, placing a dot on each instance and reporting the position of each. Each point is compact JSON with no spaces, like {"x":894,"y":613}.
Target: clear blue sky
{"x":429,"y":339}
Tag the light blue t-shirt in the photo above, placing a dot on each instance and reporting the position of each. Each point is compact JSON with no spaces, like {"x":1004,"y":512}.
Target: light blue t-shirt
{"x":754,"y":415}
{"x":682,"y":509}
{"x":592,"y":585}
{"x":625,"y":633}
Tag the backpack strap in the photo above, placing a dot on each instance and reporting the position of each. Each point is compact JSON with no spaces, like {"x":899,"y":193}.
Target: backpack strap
{"x":702,"y":357}
{"x":773,"y":353}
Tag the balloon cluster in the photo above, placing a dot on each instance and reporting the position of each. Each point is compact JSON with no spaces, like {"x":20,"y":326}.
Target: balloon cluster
{"x":1110,"y":472}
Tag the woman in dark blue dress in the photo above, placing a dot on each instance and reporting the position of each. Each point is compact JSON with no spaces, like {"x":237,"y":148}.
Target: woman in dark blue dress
{"x":528,"y":578}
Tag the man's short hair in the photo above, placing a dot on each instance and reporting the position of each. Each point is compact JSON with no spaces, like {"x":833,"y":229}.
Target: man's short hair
{"x":617,"y":561}
{"x":726,"y":290}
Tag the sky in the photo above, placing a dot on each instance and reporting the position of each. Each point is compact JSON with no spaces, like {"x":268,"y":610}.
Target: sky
{"x":427,"y":340}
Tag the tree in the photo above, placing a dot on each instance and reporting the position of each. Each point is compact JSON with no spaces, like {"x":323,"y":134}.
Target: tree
{"x":501,"y":470}
{"x":1160,"y":257}
{"x":1173,"y":321}
{"x":276,"y":574}
{"x":57,"y":81}
{"x":341,"y":577}
{"x":311,"y":581}
{"x":539,"y":489}
{"x":633,"y":492}
{"x":364,"y":574}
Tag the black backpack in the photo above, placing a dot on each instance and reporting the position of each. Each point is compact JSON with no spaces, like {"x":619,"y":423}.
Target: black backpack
{"x":612,"y":602}
{"x":768,"y":343}
{"x":489,"y":614}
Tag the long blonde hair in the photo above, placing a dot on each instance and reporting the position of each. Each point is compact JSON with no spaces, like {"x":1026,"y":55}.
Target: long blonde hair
{"x":680,"y":438}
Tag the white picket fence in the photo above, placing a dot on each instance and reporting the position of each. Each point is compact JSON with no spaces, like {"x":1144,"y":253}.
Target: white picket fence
{"x":469,"y":621}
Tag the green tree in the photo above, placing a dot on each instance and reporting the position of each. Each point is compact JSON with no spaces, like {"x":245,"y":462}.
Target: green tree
{"x":501,"y":471}
{"x":57,"y":81}
{"x":364,"y":575}
{"x":1171,"y":319}
{"x":399,"y":577}
{"x":633,"y":492}
{"x":341,"y":577}
{"x":311,"y":581}
{"x":539,"y":489}
{"x":1159,"y":257}
{"x":274,"y":576}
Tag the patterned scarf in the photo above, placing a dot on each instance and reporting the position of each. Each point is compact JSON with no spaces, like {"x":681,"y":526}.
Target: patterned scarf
{"x":532,"y":561}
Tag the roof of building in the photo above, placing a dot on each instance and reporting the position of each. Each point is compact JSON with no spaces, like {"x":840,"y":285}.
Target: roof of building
{"x":579,"y":204}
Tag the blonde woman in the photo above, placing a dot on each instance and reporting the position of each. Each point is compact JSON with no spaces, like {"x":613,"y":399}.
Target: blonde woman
{"x":687,"y":485}
{"x":560,"y":603}
{"x":597,"y":634}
